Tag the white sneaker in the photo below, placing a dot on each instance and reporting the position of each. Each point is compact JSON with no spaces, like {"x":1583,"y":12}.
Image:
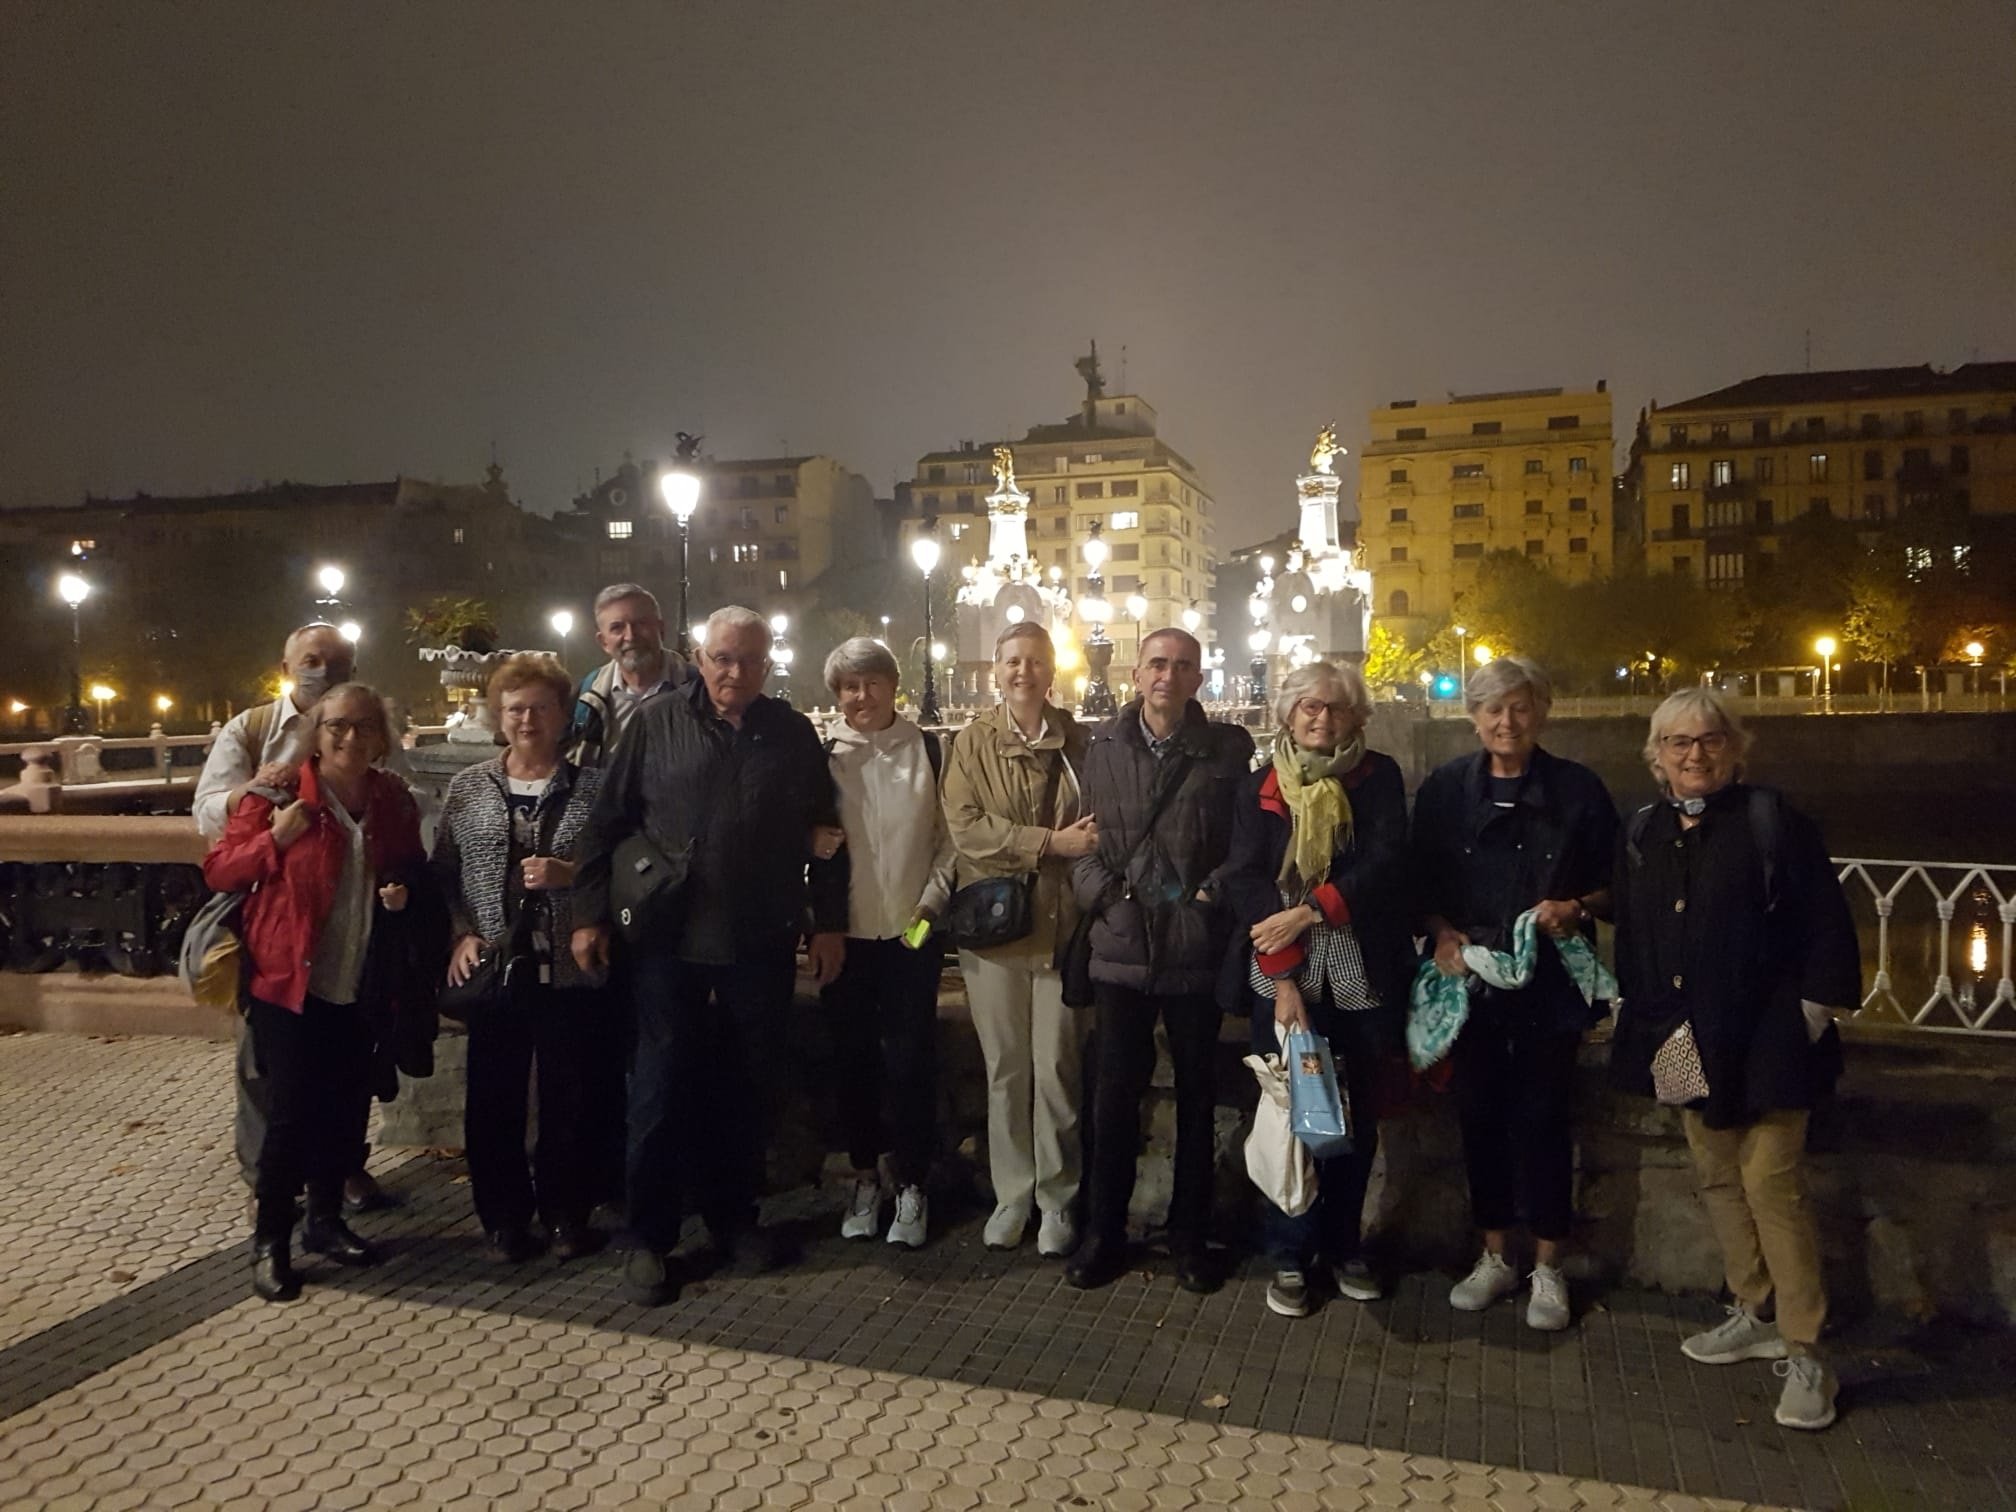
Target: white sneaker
{"x":864,"y":1209}
{"x":1056,"y":1236}
{"x":1489,"y":1279}
{"x":1810,"y":1389}
{"x":1004,"y":1229}
{"x":913,"y":1212}
{"x":1547,"y":1308}
{"x":1740,"y":1336}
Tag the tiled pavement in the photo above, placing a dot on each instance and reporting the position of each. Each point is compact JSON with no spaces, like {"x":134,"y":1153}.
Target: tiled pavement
{"x":137,"y":1373}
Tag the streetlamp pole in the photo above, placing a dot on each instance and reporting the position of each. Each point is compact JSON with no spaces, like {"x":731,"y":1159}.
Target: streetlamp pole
{"x":73,"y":589}
{"x":1825,"y":646}
{"x":1463,"y":661}
{"x":680,"y":488}
{"x":1099,"y":700}
{"x":924,"y":551}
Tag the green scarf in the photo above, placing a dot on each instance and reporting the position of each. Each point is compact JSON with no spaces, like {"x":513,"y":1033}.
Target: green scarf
{"x":1319,"y":812}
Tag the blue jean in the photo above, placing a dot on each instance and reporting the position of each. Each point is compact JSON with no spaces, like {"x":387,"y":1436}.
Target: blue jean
{"x":696,"y":1124}
{"x":1331,"y":1227}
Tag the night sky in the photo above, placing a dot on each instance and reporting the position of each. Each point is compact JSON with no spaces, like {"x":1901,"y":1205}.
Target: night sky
{"x":342,"y":241}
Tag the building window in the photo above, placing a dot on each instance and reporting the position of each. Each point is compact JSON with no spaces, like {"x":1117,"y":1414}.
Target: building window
{"x":959,"y":531}
{"x":1536,"y":548}
{"x":713,"y":553}
{"x":1397,"y":475}
{"x":1725,"y":569}
{"x":1719,"y":431}
{"x":1577,"y":505}
{"x":1816,"y":425}
{"x":1469,"y":511}
{"x":782,"y":514}
{"x":1397,"y":602}
{"x":972,"y":472}
{"x":1535,"y":506}
{"x":1681,"y":523}
{"x":1578,"y":545}
{"x":783,"y":577}
{"x":1130,"y":551}
{"x":1578,"y":464}
{"x":1057,"y":494}
{"x":1816,"y":468}
{"x":782,"y":484}
{"x":1396,"y":517}
{"x":1760,"y":430}
{"x":1680,"y":475}
{"x":1411,"y":433}
{"x":1466,"y":550}
{"x":1726,"y":514}
{"x":1564,"y":422}
{"x":1872,"y":466}
{"x":1872,"y":506}
{"x":934,"y":475}
{"x":458,"y":536}
{"x":1872,"y":425}
{"x":1676,"y":435}
{"x":1914,"y":422}
{"x":930,"y":502}
{"x":619,"y":530}
{"x":1124,"y":519}
{"x":1822,"y":505}
{"x":1535,"y":465}
{"x":1095,"y":456}
{"x":964,"y":501}
{"x":1091,"y":490}
{"x":1765,"y":468}
{"x":1126,"y":488}
{"x":746,"y":518}
{"x":1956,"y":420}
{"x":1486,"y":427}
{"x":1467,"y":470}
{"x":1721,"y":474}
{"x":1960,"y":460}
{"x":1399,"y":554}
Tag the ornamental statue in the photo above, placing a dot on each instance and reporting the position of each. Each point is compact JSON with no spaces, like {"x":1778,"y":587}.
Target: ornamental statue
{"x":1322,"y":458}
{"x":1004,"y":471}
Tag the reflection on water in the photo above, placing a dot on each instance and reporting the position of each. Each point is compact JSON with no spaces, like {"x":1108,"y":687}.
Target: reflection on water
{"x":1915,"y":962}
{"x":1977,"y":950}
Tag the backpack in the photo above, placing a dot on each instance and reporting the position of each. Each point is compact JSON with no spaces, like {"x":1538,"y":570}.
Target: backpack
{"x":1766,"y":823}
{"x":211,"y":963}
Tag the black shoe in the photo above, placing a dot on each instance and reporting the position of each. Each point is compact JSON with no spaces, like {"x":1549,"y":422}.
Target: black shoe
{"x":1195,"y":1269}
{"x":362,"y":1194}
{"x":570,"y":1241}
{"x":514,"y":1245}
{"x":1099,"y":1262}
{"x":273,"y":1272}
{"x":649,"y":1278}
{"x":327,"y":1234}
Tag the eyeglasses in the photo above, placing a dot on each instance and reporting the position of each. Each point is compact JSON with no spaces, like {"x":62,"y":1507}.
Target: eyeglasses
{"x":343,"y":729}
{"x":1312,"y":708}
{"x":1679,"y":745}
{"x":754,"y":661}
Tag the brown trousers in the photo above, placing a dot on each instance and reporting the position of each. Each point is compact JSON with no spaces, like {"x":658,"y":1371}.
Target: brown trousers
{"x":1753,"y":1183}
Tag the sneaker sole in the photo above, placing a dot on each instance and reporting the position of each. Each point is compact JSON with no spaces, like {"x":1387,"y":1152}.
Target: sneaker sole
{"x":1549,"y":1326}
{"x":1813,"y":1425}
{"x":1282,"y":1309}
{"x":848,"y":1231}
{"x":1356,"y":1292}
{"x":1486,"y":1304}
{"x":1772,"y":1350}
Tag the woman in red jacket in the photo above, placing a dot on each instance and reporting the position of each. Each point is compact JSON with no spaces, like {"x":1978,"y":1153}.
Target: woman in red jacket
{"x":323,"y":871}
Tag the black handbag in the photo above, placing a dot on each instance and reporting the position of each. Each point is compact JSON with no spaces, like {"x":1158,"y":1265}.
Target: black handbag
{"x":1001,"y":910}
{"x":1074,"y":955}
{"x":647,"y":883}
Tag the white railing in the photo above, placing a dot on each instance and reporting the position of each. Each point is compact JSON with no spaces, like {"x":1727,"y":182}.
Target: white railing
{"x":80,"y":758}
{"x":1932,"y":968}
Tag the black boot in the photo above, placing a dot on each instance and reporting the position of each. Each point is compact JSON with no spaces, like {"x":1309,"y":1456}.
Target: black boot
{"x":1100,"y":1261}
{"x":273,"y":1271}
{"x":327,"y":1234}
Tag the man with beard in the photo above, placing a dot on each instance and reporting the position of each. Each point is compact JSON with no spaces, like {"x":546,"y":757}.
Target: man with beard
{"x":629,"y":626}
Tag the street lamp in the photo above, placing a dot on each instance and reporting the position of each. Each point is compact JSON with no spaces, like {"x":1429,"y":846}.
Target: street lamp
{"x":562,"y":621}
{"x":351,"y":631}
{"x":1258,"y":668}
{"x":330,"y":579}
{"x":1099,"y":700}
{"x":680,"y":488}
{"x":73,"y":590}
{"x":1193,"y":618}
{"x":101,"y":695}
{"x":781,"y":655}
{"x":924,"y":551}
{"x":1462,"y":656}
{"x":1975,"y":651}
{"x":1482,"y":654}
{"x":1825,"y":646}
{"x":163,"y":703}
{"x":885,"y":630}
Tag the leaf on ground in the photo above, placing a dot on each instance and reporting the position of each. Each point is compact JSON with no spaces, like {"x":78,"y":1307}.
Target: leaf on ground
{"x":1217,"y":1399}
{"x":120,"y":1276}
{"x":458,"y":1181}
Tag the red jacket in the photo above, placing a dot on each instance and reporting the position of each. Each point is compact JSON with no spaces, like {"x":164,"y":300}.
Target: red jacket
{"x":292,"y":890}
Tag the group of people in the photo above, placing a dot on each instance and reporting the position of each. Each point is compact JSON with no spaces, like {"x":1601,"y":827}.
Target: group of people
{"x":1096,"y":880}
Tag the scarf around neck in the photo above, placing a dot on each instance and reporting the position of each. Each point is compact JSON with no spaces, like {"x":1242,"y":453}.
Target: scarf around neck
{"x":1319,"y":810}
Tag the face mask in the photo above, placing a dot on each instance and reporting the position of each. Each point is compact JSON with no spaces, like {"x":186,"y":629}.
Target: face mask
{"x":310,"y":683}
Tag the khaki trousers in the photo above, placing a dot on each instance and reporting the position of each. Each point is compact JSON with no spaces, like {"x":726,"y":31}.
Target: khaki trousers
{"x":1034,"y":1047}
{"x":1753,"y":1183}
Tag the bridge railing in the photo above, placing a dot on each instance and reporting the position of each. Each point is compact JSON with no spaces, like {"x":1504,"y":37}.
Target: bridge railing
{"x":1936,"y":943}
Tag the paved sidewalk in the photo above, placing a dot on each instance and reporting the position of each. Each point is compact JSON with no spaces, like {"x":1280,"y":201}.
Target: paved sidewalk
{"x":138,"y":1373}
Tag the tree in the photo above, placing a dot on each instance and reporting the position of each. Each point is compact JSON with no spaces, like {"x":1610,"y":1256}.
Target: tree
{"x":1880,"y":624}
{"x":1390,"y":662}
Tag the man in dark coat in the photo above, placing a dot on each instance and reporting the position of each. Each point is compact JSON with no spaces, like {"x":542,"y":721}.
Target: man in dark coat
{"x":740,"y":782}
{"x":1734,"y":947}
{"x":1162,"y":780}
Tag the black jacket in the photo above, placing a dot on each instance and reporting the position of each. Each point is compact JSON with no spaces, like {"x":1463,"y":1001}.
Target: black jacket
{"x":750,"y":797}
{"x":1368,"y":875}
{"x":1150,"y":932}
{"x":1707,"y":931}
{"x":1480,"y":866}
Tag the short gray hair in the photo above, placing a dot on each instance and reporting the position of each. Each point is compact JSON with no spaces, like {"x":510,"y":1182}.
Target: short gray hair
{"x":1304,"y":680}
{"x":736,"y":617}
{"x":344,"y":693}
{"x":1504,"y":676}
{"x":619,"y":591}
{"x":1024,"y":629}
{"x":1703,"y":701}
{"x":860,"y":656}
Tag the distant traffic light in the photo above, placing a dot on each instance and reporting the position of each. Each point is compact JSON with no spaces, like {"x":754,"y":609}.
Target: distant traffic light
{"x":1445,"y":686}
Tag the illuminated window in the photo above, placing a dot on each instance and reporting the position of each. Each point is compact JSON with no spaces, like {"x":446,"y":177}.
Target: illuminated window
{"x":1721,"y":474}
{"x":1681,"y":475}
{"x":458,"y":535}
{"x":1467,"y":470}
{"x":1816,"y":468}
{"x":1122,"y":519}
{"x":619,"y":530}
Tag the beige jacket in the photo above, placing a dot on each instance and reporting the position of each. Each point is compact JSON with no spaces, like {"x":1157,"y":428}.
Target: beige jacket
{"x":993,"y":794}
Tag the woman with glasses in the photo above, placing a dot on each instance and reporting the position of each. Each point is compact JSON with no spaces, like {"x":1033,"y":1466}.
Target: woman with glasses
{"x":1735,"y":948}
{"x":1509,"y":830}
{"x":1317,"y":885}
{"x":334,"y":968}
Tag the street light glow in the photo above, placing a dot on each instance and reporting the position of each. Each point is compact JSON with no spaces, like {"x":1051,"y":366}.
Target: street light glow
{"x":1975,"y":650}
{"x":1015,"y":613}
{"x":1095,"y":553}
{"x":562,"y":622}
{"x":15,"y":706}
{"x":1137,"y":606}
{"x":696,"y":633}
{"x":351,"y":631}
{"x":100,"y":693}
{"x":1298,"y":603}
{"x":332,"y":580}
{"x":1482,"y":653}
{"x":1258,"y":640}
{"x":72,"y":589}
{"x":1192,"y":619}
{"x":1825,"y":646}
{"x":924,"y":551}
{"x":680,"y":490}
{"x":779,"y":623}
{"x":163,"y":703}
{"x":938,"y":651}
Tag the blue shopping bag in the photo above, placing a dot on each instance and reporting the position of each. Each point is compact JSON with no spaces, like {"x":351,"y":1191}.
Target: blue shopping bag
{"x":1317,"y":1110}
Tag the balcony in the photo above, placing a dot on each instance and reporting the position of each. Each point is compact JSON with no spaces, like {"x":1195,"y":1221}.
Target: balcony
{"x":1921,"y":474}
{"x":1723,"y":493}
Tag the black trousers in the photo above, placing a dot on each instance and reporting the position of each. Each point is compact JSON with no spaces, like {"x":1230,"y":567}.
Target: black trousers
{"x":1123,"y":1067}
{"x":316,"y":1068}
{"x":248,"y":1122}
{"x":606,"y":1070}
{"x":696,"y":1098}
{"x":884,"y":1006}
{"x":1332,"y":1228}
{"x":1515,"y":1097}
{"x":553,"y":1030}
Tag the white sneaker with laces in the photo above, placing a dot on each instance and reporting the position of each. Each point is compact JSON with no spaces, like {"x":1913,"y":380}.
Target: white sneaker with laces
{"x":1056,"y":1236}
{"x":1489,"y":1279}
{"x":1740,"y":1336}
{"x":1004,"y":1229}
{"x":913,"y":1212}
{"x":1547,"y":1307}
{"x":1810,"y":1389}
{"x":864,"y":1209}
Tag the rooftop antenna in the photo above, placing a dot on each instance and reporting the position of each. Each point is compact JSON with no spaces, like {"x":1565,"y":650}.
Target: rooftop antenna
{"x":1123,"y":369}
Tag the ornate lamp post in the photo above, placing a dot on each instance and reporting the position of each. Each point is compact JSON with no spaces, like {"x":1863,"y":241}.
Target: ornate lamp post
{"x":924,"y":551}
{"x":73,"y":590}
{"x":1258,"y":667}
{"x":1975,"y":651}
{"x":1099,"y":700}
{"x":680,"y":488}
{"x":330,"y":579}
{"x":1826,"y":646}
{"x":781,"y":655}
